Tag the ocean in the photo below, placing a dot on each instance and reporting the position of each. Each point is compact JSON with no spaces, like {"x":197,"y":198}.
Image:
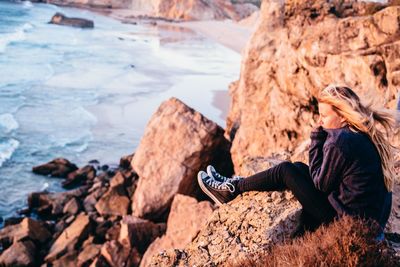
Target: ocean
{"x":87,"y":94}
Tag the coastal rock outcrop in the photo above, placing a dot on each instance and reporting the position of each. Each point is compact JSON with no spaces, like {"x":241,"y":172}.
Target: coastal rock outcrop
{"x":61,"y":19}
{"x":196,"y":9}
{"x":298,"y":48}
{"x":180,"y":232}
{"x":250,"y":223}
{"x":57,"y":168}
{"x":177,"y":143}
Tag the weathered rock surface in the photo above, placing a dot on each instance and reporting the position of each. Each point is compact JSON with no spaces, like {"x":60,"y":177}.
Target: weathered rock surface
{"x":88,"y":254}
{"x":139,"y":233}
{"x":177,"y":143}
{"x":79,"y":176}
{"x":114,"y":202}
{"x":61,"y":19}
{"x":52,"y":204}
{"x":58,"y":168}
{"x":70,"y":237}
{"x":249,"y":223}
{"x":186,"y":219}
{"x":298,"y":48}
{"x":28,"y":229}
{"x":118,"y":255}
{"x":19,"y":254}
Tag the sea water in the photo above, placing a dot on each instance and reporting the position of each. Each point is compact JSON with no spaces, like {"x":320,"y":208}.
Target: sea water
{"x":86,"y":94}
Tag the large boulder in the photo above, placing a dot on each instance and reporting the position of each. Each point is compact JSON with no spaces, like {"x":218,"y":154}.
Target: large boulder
{"x":59,"y":167}
{"x":298,"y":48}
{"x":113,"y":202}
{"x":19,"y":254}
{"x":251,"y":222}
{"x":139,"y":233}
{"x":52,"y":204}
{"x":28,"y":229}
{"x":70,"y":238}
{"x":180,"y":232}
{"x":177,"y":143}
{"x":61,"y":19}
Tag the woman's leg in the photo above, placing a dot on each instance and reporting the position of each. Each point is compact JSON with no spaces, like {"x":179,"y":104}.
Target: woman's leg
{"x":296,"y":178}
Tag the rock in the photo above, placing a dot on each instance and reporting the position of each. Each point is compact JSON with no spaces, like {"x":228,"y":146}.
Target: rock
{"x":61,"y":19}
{"x":247,"y":224}
{"x":72,"y":207}
{"x":114,"y":202}
{"x":183,"y":142}
{"x":28,"y":229}
{"x":90,"y":201}
{"x":180,"y":232}
{"x":113,"y":232}
{"x":57,"y":168}
{"x":298,"y":48}
{"x":79,"y":176}
{"x":52,"y":204}
{"x":245,"y":10}
{"x":88,"y":254}
{"x":12,"y":221}
{"x":118,"y":255}
{"x":117,"y":180}
{"x":68,"y":260}
{"x":101,"y":231}
{"x":70,"y":238}
{"x":21,"y":253}
{"x":125,"y":162}
{"x":196,"y":10}
{"x":139,"y":233}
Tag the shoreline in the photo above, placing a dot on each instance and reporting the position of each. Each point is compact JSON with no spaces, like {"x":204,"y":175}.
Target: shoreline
{"x":233,"y":35}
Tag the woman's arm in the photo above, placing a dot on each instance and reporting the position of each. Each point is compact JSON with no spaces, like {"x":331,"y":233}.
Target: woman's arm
{"x":326,"y":162}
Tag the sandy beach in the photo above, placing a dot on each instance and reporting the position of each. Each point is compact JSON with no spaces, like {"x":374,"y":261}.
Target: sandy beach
{"x":231,"y":34}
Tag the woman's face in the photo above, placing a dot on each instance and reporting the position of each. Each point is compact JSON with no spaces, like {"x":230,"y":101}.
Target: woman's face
{"x":329,"y":118}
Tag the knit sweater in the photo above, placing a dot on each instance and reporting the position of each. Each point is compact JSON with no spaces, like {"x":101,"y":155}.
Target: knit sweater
{"x":346,"y":165}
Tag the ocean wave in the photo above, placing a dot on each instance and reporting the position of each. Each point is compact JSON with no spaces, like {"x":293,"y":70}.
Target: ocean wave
{"x":17,"y":35}
{"x":8,"y":123}
{"x":7,"y":149}
{"x":27,"y":4}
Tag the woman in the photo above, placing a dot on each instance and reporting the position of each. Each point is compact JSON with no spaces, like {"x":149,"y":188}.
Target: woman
{"x":351,"y":168}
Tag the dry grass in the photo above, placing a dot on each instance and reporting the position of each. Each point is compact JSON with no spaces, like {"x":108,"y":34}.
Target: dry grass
{"x":346,"y":242}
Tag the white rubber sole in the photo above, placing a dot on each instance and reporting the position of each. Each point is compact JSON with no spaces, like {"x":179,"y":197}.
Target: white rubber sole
{"x":205,"y":190}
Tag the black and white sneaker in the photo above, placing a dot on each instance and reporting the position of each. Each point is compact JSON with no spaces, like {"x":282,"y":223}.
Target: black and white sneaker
{"x":220,"y":178}
{"x":220,"y":192}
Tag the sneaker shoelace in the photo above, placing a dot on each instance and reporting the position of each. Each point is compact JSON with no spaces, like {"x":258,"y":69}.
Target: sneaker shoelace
{"x":220,"y":185}
{"x":224,"y":178}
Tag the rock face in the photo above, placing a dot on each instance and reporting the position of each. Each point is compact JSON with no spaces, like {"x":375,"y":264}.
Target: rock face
{"x":177,"y":143}
{"x":74,"y":234}
{"x":91,"y":3}
{"x":196,"y":9}
{"x":139,"y":233}
{"x":180,"y":232}
{"x":247,"y":224}
{"x":298,"y":48}
{"x":19,"y":254}
{"x":61,"y":19}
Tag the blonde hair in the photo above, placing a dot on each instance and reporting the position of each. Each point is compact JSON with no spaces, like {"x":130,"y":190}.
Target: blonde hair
{"x":379,"y":124}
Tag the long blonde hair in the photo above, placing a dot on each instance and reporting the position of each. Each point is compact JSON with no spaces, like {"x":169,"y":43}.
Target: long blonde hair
{"x":379,"y":124}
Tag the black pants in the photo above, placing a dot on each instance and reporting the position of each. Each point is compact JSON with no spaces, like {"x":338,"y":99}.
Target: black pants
{"x":295,"y":177}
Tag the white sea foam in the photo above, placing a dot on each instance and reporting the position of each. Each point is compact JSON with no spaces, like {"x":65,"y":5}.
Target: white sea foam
{"x":27,"y":4}
{"x":17,"y":35}
{"x":7,"y":123}
{"x":7,"y":149}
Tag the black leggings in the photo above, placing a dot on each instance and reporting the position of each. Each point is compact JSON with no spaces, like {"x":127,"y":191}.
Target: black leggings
{"x":295,"y":177}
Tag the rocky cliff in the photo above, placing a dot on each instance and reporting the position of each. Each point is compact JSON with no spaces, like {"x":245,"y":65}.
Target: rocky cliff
{"x":299,"y":47}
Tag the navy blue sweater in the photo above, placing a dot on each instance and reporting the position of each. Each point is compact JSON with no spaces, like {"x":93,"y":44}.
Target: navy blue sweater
{"x":346,"y":165}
